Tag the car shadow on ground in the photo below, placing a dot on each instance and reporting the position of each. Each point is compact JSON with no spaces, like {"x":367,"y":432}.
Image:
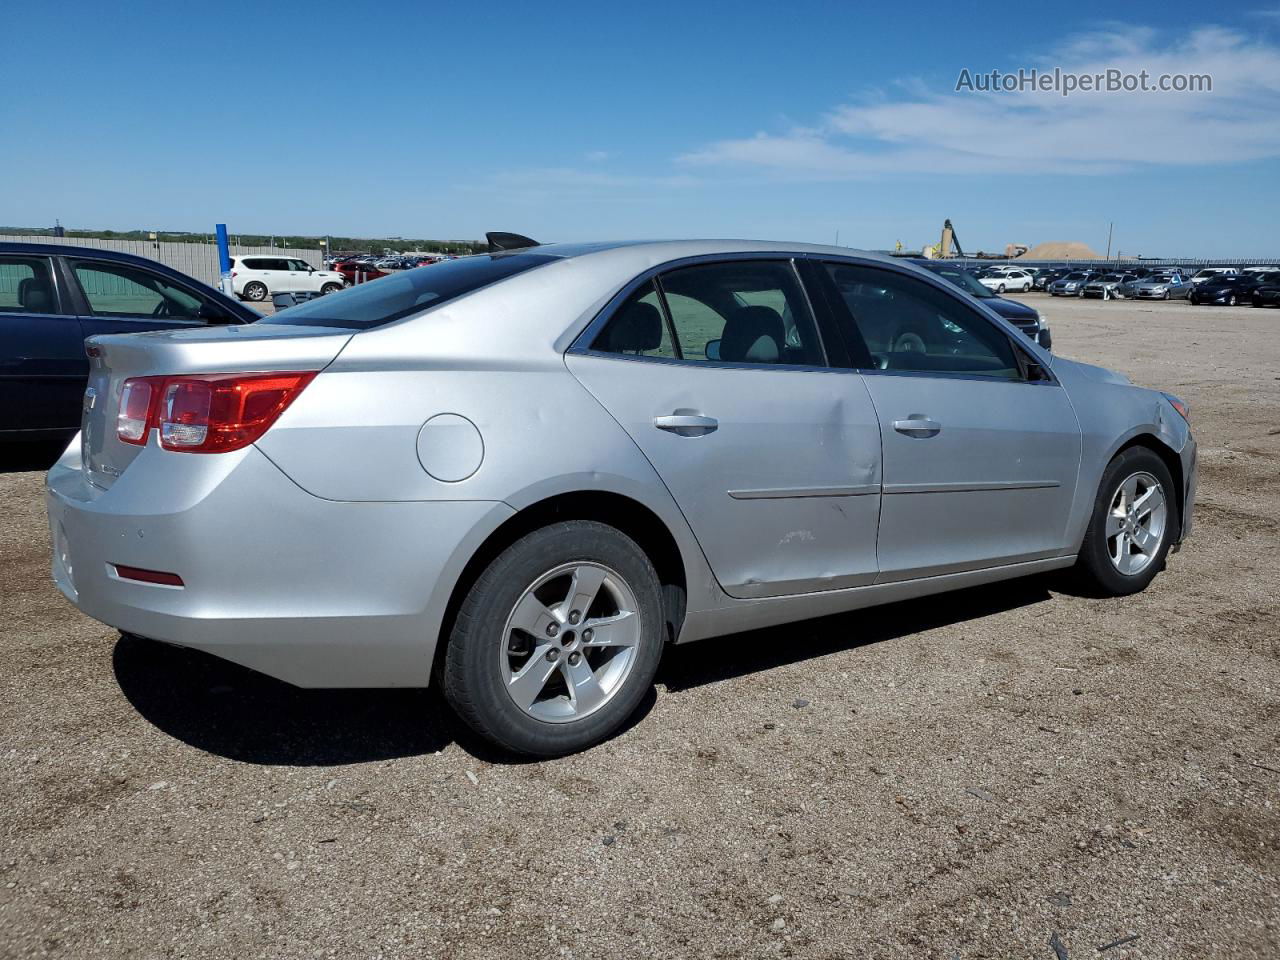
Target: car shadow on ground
{"x":231,"y":711}
{"x":722,"y":658}
{"x":24,"y":456}
{"x":228,"y":710}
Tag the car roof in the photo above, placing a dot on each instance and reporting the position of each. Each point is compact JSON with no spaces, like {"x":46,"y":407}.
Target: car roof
{"x":661,"y":250}
{"x":69,"y":250}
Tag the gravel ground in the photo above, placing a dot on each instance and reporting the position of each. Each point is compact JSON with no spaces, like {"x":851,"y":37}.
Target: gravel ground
{"x":967,"y":776}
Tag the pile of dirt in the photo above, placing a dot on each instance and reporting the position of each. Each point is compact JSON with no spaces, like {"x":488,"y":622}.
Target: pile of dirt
{"x":1061,"y":251}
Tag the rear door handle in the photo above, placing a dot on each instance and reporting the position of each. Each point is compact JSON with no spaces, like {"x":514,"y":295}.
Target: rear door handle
{"x":918,"y":426}
{"x":686,"y":424}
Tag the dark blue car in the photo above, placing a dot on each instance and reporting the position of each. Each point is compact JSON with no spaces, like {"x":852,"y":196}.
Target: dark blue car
{"x":52,"y":297}
{"x":1027,"y":319}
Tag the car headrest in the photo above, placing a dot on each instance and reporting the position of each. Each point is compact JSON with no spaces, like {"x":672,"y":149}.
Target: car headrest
{"x":636,"y":329}
{"x":752,"y":335}
{"x":34,"y":295}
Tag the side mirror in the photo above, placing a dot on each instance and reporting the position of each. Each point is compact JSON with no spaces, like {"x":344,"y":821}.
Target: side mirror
{"x":210,"y":313}
{"x":712,"y":350}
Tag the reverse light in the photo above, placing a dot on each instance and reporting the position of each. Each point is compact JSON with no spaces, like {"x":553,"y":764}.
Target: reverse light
{"x":136,"y":402}
{"x":206,"y":413}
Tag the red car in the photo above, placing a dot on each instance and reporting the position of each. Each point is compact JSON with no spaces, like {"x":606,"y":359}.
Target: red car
{"x":358,"y":272}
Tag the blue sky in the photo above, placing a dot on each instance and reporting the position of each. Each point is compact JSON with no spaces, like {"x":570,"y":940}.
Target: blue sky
{"x":595,"y":121}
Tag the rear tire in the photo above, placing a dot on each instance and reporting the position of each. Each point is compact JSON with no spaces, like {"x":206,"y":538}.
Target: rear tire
{"x":255,"y":291}
{"x":556,"y":688}
{"x":1134,"y":522}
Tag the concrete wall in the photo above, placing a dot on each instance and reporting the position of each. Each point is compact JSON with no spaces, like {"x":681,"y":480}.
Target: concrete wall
{"x":199,"y":260}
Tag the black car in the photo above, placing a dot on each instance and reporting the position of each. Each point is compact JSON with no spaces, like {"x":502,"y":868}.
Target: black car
{"x":1027,"y":319}
{"x":1267,"y":293}
{"x":52,"y":297}
{"x":1227,"y":290}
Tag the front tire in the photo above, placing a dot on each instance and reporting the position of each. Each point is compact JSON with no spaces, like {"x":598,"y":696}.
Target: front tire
{"x":1000,"y":288}
{"x":255,"y":291}
{"x":1134,"y":522}
{"x":557,"y":641}
{"x":329,"y":288}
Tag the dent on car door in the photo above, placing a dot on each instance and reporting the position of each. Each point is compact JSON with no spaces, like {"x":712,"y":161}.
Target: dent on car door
{"x":43,"y":367}
{"x":717,"y":373}
{"x":981,"y":452}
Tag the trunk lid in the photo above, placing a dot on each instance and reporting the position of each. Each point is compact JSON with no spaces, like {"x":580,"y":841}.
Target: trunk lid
{"x":113,"y":358}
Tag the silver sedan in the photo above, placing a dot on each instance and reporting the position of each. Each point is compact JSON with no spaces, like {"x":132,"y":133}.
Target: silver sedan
{"x":521,"y":475}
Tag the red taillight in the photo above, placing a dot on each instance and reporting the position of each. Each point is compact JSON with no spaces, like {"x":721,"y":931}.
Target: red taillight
{"x":206,"y":413}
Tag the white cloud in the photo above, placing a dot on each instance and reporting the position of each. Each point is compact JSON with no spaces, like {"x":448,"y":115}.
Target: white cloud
{"x":1042,"y":131}
{"x":596,"y":156}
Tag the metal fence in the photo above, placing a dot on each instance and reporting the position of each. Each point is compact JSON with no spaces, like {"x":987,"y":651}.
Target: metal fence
{"x":199,"y":260}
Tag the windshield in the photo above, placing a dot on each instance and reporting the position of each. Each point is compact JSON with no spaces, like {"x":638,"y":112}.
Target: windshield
{"x":398,"y":295}
{"x":965,"y":281}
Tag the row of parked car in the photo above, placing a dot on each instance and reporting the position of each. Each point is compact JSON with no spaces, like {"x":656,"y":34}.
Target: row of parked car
{"x":398,"y":262}
{"x":259,"y":277}
{"x":1229,"y":286}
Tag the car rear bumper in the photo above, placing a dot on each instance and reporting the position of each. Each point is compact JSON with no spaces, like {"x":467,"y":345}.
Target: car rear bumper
{"x":318,"y":593}
{"x":1190,"y":482}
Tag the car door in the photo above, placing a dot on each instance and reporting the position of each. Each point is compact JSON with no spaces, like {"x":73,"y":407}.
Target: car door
{"x":981,"y":448}
{"x":299,"y":276}
{"x":716,"y":371}
{"x":125,"y":298}
{"x":43,"y":367}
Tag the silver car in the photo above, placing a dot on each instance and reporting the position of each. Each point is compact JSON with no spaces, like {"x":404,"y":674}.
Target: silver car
{"x":1107,"y":285}
{"x":521,"y":475}
{"x":1159,"y":286}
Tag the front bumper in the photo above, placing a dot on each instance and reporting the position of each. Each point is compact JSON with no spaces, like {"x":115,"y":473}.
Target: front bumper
{"x":1190,"y":481}
{"x":318,"y":593}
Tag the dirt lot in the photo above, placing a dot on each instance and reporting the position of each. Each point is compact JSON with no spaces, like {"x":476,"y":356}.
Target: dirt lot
{"x":958,"y":777}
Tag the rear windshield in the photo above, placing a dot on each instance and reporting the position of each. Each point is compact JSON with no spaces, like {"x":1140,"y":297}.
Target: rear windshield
{"x":398,"y":295}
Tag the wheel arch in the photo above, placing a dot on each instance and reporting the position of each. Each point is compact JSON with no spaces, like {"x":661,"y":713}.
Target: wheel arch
{"x":637,"y":520}
{"x":1172,"y":461}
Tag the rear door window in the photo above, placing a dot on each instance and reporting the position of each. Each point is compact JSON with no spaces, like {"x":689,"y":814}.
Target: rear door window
{"x":743,"y":311}
{"x":639,"y":327}
{"x":26,"y":285}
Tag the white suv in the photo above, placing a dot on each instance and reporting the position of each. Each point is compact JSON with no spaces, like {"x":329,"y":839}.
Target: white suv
{"x":255,"y":277}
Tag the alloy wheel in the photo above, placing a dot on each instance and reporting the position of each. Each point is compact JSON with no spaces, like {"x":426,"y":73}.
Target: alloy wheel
{"x":1136,"y":523}
{"x":570,"y":642}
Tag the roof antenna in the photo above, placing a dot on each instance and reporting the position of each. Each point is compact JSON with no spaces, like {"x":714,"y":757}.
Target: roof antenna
{"x":508,"y":241}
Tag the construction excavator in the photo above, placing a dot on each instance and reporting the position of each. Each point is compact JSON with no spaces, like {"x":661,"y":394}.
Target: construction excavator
{"x":948,"y":243}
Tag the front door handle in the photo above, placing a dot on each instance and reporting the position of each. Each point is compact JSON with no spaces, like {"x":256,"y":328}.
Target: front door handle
{"x":686,"y":424}
{"x":917,"y":426}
